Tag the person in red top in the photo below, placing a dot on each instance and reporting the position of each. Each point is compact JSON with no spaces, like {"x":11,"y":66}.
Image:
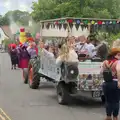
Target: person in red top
{"x":111,"y":88}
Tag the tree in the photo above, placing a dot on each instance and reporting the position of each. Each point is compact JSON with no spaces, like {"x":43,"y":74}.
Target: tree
{"x":3,"y":20}
{"x":73,"y":8}
{"x":18,"y":16}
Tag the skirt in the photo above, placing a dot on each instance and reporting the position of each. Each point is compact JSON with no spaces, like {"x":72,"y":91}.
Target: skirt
{"x":23,"y":63}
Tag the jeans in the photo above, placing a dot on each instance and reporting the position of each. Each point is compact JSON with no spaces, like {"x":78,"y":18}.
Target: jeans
{"x":112,"y":109}
{"x":112,"y":97}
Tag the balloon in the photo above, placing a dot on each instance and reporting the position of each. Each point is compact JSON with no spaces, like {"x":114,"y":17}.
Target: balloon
{"x":33,"y":34}
{"x":30,"y":39}
{"x":22,"y":34}
{"x":22,"y":29}
{"x":17,"y":33}
{"x":23,"y":39}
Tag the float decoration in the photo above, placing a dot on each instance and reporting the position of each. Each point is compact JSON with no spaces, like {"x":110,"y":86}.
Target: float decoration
{"x":22,"y":38}
{"x":84,"y":22}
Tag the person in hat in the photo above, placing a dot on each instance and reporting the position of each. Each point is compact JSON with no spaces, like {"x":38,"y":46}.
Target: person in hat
{"x":13,"y":56}
{"x":111,"y":88}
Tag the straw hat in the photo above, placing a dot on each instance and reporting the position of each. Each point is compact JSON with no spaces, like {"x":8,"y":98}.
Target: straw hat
{"x":114,"y":51}
{"x":115,"y":47}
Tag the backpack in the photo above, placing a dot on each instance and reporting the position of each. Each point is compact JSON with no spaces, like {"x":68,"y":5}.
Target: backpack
{"x":107,"y":73}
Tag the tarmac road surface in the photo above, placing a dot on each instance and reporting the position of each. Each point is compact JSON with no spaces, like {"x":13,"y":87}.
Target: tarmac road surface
{"x":19,"y":102}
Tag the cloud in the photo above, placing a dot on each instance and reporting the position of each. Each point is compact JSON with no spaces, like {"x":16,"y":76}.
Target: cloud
{"x":23,"y":5}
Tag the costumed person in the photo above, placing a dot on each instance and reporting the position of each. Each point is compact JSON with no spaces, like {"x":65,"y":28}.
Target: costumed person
{"x":67,"y":53}
{"x":23,"y":57}
{"x":13,"y":56}
{"x":111,"y":86}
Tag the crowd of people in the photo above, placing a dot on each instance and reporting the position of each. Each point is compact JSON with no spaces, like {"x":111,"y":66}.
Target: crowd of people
{"x":72,"y":50}
{"x":21,"y":54}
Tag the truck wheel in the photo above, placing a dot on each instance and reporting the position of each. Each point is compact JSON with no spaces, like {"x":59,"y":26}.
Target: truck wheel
{"x":62,"y":94}
{"x":33,"y":77}
{"x":25,"y":75}
{"x":103,"y":98}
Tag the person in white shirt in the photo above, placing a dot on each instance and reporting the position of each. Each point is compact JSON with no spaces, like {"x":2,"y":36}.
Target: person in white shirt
{"x":91,"y":48}
{"x":81,"y":46}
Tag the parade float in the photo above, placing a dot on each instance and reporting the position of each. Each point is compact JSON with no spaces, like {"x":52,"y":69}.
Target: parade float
{"x":70,"y":79}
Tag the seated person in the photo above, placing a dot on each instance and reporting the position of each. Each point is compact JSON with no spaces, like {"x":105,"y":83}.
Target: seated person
{"x":67,"y":54}
{"x":91,"y":48}
{"x":81,"y":46}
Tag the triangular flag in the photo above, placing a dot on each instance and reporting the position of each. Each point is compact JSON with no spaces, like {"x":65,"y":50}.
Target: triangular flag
{"x":71,"y":25}
{"x":60,"y":26}
{"x":77,"y":26}
{"x":65,"y":25}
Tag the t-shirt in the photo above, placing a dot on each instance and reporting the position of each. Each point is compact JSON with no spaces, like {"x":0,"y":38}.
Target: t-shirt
{"x":91,"y":48}
{"x":82,"y":49}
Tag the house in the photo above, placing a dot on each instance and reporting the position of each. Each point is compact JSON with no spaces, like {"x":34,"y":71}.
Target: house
{"x":5,"y":32}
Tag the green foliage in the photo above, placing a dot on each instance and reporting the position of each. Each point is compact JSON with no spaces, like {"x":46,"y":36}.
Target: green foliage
{"x":4,"y":21}
{"x":49,"y":9}
{"x":20,"y":17}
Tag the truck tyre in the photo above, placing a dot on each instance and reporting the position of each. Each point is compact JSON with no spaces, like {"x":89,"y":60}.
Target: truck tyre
{"x":62,"y":94}
{"x":33,"y":77}
{"x":25,"y":75}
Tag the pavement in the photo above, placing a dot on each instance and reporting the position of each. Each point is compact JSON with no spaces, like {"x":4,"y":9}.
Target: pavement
{"x":19,"y":102}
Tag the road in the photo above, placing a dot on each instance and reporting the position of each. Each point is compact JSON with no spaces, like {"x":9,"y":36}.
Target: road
{"x":19,"y":102}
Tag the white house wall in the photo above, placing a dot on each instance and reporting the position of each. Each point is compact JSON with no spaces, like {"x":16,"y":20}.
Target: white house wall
{"x":2,"y":35}
{"x":56,"y":32}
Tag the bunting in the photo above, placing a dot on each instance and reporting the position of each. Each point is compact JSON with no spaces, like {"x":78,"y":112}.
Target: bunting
{"x":109,"y":25}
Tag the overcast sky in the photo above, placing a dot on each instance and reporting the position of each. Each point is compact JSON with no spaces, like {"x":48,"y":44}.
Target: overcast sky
{"x":6,"y":5}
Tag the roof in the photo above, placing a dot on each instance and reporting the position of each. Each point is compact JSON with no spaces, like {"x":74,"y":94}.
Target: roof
{"x":7,"y":31}
{"x":50,"y":20}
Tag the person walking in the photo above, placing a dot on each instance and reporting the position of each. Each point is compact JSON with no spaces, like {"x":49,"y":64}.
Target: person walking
{"x":14,"y":57}
{"x":111,"y":86}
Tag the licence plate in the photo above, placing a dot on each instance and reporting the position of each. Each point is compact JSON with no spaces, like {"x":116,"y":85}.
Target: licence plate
{"x":96,"y":94}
